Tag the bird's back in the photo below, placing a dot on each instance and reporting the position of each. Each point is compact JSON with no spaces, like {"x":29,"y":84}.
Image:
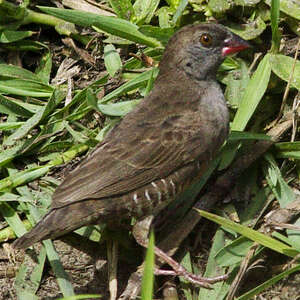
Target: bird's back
{"x":154,"y":140}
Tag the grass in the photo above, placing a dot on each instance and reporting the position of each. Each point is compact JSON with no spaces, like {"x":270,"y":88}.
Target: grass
{"x":43,"y":127}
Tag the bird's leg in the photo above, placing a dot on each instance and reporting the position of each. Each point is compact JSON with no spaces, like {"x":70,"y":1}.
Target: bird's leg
{"x":112,"y":257}
{"x":140,"y":232}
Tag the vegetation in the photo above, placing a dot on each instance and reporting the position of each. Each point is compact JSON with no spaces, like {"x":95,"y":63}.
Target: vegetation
{"x":68,"y":76}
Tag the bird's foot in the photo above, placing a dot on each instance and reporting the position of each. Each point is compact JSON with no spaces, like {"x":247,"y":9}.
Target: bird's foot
{"x":192,"y":278}
{"x":140,"y":232}
{"x":179,"y":270}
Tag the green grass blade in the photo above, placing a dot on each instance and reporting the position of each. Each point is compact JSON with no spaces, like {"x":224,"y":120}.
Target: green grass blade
{"x":213,"y":268}
{"x":41,"y":114}
{"x":283,"y":66}
{"x":17,"y":107}
{"x":250,"y":294}
{"x":12,"y":218}
{"x":242,"y":135}
{"x":180,"y":9}
{"x":144,"y":10}
{"x":253,"y":94}
{"x":123,"y":8}
{"x":119,"y":109}
{"x":290,"y":7}
{"x":25,"y":88}
{"x":80,"y":297}
{"x":283,"y":192}
{"x":10,"y":36}
{"x":275,"y":10}
{"x":112,"y":25}
{"x":14,"y":72}
{"x":62,"y":277}
{"x":251,"y":234}
{"x":138,"y":81}
{"x":112,"y":60}
{"x":148,"y":277}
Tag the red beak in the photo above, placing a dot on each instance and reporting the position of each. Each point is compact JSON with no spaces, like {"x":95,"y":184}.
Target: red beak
{"x":234,"y":44}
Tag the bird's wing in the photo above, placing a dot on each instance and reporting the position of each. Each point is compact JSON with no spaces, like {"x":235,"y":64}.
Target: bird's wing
{"x":141,"y":149}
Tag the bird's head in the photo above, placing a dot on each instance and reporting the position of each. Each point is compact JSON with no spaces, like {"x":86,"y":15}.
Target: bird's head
{"x":199,"y":50}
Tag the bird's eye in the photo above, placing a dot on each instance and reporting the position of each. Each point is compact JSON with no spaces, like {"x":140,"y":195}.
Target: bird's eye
{"x":206,"y":39}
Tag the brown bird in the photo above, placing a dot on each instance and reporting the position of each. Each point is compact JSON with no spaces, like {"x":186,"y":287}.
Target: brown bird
{"x":158,"y":149}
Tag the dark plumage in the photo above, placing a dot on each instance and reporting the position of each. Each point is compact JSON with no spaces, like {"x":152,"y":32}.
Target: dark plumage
{"x":159,"y":148}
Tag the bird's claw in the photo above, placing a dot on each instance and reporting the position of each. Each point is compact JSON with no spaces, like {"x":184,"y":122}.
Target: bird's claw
{"x":193,"y":278}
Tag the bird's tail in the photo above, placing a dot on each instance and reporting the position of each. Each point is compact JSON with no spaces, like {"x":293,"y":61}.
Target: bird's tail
{"x":42,"y":230}
{"x":62,"y":220}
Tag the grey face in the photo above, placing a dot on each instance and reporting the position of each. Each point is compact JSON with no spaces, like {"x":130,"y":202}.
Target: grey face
{"x":200,"y":51}
{"x":204,"y":51}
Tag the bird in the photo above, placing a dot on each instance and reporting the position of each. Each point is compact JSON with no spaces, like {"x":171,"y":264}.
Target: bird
{"x":158,"y":149}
